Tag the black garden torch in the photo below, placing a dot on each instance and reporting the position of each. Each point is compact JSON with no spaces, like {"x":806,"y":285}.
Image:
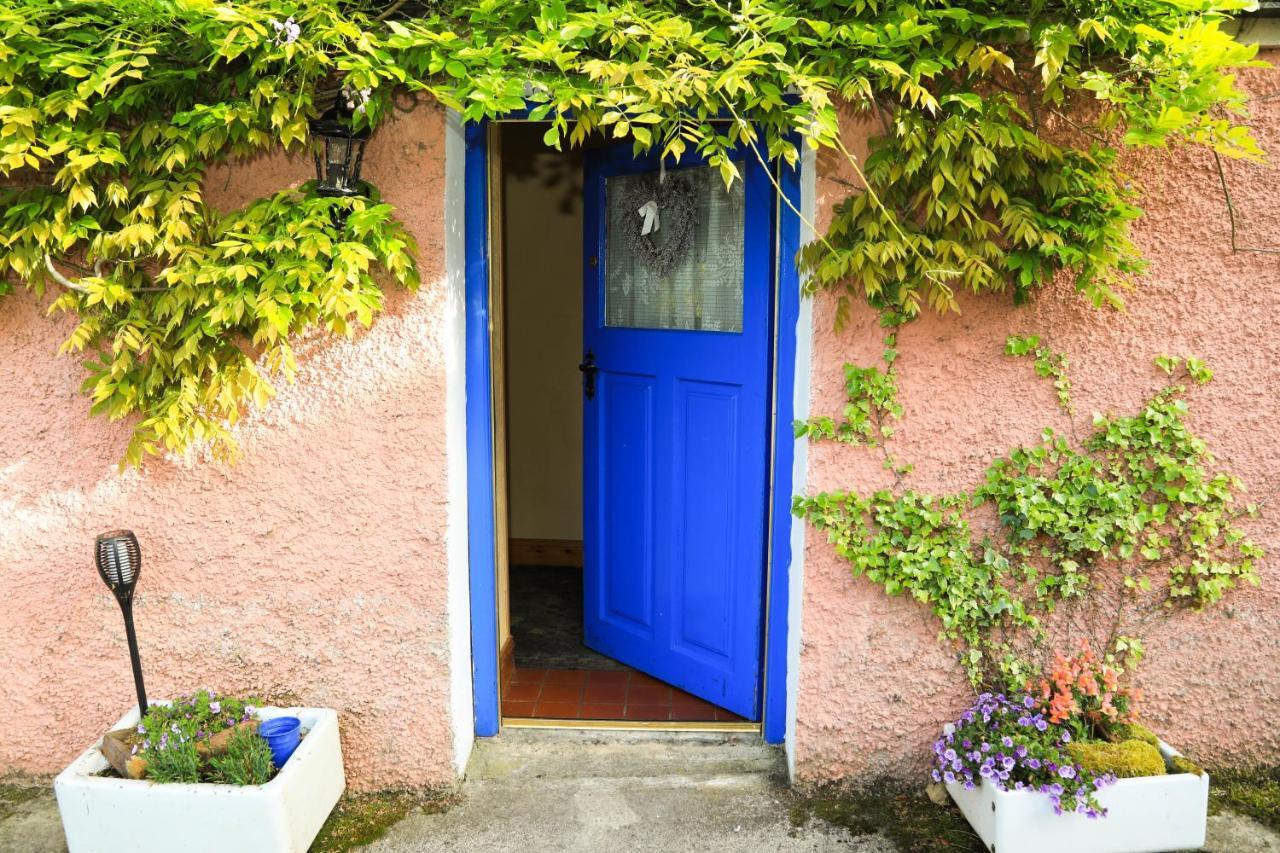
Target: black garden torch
{"x":119,"y":562}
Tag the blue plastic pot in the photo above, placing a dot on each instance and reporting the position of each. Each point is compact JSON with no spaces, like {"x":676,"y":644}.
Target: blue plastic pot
{"x":282,"y":735}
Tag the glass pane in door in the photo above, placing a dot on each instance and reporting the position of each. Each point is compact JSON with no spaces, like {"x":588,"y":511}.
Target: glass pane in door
{"x":674,"y":251}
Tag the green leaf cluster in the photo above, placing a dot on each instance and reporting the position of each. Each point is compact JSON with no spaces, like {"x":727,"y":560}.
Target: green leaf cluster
{"x":873,"y":400}
{"x":1140,"y":500}
{"x":993,"y":164}
{"x":1048,"y":364}
{"x":921,"y":545}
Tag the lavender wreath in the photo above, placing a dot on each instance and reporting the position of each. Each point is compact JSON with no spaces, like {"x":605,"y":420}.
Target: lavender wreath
{"x":677,"y":209}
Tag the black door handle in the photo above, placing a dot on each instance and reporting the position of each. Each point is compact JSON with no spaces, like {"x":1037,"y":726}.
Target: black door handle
{"x":589,"y":370}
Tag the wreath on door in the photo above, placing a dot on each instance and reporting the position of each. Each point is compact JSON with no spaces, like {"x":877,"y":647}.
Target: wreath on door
{"x":652,"y":207}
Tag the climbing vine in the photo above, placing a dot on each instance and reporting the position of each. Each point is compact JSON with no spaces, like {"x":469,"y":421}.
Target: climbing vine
{"x":1131,"y":523}
{"x":993,"y":162}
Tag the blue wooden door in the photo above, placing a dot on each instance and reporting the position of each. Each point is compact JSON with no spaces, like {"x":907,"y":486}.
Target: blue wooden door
{"x":676,"y":386}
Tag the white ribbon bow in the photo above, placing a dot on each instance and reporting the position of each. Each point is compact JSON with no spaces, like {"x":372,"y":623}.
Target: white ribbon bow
{"x":650,"y":213}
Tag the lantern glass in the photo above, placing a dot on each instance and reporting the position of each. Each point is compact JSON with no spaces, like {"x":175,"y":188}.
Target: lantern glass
{"x":339,"y":153}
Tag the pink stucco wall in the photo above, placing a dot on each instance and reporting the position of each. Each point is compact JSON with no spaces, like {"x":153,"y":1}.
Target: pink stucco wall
{"x":875,"y":685}
{"x":315,"y":567}
{"x":312,"y":569}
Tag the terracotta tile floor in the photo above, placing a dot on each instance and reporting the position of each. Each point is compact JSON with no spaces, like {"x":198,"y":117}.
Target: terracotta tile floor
{"x":579,"y":694}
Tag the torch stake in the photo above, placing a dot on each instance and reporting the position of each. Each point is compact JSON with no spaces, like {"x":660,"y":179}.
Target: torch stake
{"x":134,"y":658}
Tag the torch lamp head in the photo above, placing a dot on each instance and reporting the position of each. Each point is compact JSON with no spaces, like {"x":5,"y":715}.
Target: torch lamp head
{"x":119,"y":561}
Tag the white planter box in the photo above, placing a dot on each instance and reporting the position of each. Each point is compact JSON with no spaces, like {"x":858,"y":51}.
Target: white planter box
{"x":1146,"y":815}
{"x":104,"y":815}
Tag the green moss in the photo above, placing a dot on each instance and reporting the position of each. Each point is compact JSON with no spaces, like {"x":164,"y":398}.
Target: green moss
{"x":1182,"y":764}
{"x":14,"y":795}
{"x":1127,"y":759}
{"x":1254,"y":793}
{"x":902,"y":814}
{"x":361,"y":819}
{"x":1121,"y":732}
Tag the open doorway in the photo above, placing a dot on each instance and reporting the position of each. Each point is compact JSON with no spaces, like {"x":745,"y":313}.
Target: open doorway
{"x":632,"y":425}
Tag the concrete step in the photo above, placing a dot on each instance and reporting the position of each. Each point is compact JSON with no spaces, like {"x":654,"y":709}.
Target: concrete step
{"x":652,"y":756}
{"x":595,"y":791}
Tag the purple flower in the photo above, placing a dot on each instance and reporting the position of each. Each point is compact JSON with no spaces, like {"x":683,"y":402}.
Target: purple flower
{"x":949,"y":777}
{"x":1024,"y":720}
{"x":986,"y":772}
{"x":1007,"y":741}
{"x":1009,"y":763}
{"x":937,"y":777}
{"x":1028,"y":701}
{"x":1066,"y":771}
{"x":1066,"y":737}
{"x":1033,"y":763}
{"x":1041,"y":725}
{"x":1021,"y":751}
{"x":287,"y":32}
{"x":949,"y":755}
{"x":215,"y":707}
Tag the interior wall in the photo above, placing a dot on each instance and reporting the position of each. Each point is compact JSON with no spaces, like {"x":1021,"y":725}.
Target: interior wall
{"x":542,"y":264}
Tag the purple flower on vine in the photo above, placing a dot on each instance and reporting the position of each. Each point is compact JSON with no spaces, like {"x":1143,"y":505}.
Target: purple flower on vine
{"x":286,"y":32}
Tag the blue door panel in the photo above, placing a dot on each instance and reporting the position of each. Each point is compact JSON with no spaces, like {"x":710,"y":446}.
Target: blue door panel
{"x":675,"y":477}
{"x":626,"y":496}
{"x":703,"y":595}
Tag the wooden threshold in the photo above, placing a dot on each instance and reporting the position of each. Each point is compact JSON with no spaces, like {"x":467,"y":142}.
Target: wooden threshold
{"x":629,"y":725}
{"x":544,"y":552}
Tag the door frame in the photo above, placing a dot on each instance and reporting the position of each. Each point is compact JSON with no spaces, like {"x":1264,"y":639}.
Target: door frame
{"x":483,"y":396}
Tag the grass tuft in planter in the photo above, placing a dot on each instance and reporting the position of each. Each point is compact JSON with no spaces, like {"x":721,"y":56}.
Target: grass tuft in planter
{"x":247,"y":761}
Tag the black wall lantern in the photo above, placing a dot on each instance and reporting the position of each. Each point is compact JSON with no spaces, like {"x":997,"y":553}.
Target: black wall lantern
{"x":339,"y":152}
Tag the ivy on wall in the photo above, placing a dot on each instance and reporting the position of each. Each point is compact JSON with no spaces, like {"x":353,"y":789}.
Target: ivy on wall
{"x":993,"y":166}
{"x":1132,"y":523}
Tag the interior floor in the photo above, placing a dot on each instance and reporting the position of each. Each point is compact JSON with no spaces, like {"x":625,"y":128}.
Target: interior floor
{"x":546,"y":620}
{"x":607,"y":695}
{"x":557,"y":677}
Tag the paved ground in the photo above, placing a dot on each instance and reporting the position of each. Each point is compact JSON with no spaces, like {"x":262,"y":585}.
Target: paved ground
{"x":533,"y":791}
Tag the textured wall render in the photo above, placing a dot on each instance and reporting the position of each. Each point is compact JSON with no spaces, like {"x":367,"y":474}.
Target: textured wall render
{"x":314,"y":568}
{"x":875,"y":685}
